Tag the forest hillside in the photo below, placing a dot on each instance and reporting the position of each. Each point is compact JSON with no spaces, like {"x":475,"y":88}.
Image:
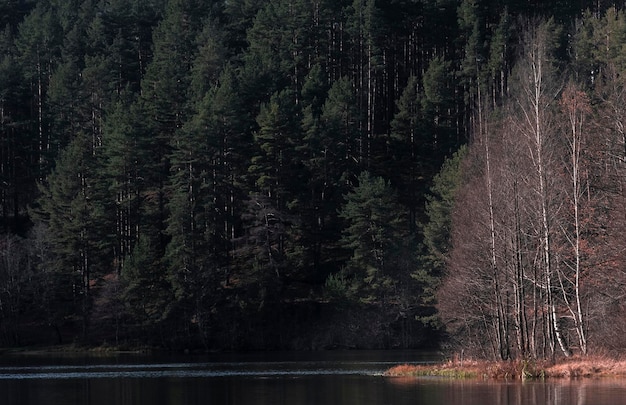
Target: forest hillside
{"x":310,"y":174}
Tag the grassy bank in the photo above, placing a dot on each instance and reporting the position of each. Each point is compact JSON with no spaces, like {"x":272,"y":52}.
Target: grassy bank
{"x":576,"y":367}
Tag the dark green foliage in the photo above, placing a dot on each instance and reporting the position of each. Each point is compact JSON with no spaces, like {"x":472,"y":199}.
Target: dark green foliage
{"x":499,"y":58}
{"x":340,"y":144}
{"x":69,"y":207}
{"x":274,"y":168}
{"x":437,"y":89}
{"x":222,"y":119}
{"x":38,"y":44}
{"x":375,"y":229}
{"x":16,"y":172}
{"x":194,"y":165}
{"x":147,"y":292}
{"x":439,"y":207}
{"x":279,"y":39}
{"x":164,"y":108}
{"x":272,"y":212}
{"x":123,"y":168}
{"x":209,"y":61}
{"x":196,"y":249}
{"x":412,"y":161}
{"x":314,"y":90}
{"x":240,"y":16}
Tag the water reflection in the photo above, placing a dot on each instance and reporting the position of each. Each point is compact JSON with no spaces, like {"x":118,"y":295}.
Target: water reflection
{"x":313,"y":379}
{"x":609,"y":391}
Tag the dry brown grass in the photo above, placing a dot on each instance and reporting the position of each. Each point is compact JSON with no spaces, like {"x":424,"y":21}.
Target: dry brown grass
{"x":467,"y":369}
{"x":587,"y":367}
{"x":575,"y":367}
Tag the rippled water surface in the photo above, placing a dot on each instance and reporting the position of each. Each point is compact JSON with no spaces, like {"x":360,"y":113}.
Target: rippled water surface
{"x":271,"y":378}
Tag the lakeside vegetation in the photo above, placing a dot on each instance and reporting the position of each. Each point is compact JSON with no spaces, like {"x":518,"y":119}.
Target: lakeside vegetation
{"x":573,"y":367}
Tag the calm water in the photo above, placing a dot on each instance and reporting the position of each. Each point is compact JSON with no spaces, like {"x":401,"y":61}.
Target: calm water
{"x":294,"y":379}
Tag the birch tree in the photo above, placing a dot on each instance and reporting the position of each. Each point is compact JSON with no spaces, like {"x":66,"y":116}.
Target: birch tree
{"x":536,"y":99}
{"x":575,"y":107}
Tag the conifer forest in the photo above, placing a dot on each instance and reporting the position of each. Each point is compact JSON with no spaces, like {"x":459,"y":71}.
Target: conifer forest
{"x":314,"y":174}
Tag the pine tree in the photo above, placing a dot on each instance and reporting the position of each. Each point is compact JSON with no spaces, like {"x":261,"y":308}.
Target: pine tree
{"x":38,"y":44}
{"x":196,"y":250}
{"x":338,"y":138}
{"x":499,"y":59}
{"x":276,"y":172}
{"x":69,"y":207}
{"x":129,"y":26}
{"x":314,"y":206}
{"x":124,"y":136}
{"x":209,"y":61}
{"x":365,"y":27}
{"x":409,"y":150}
{"x":147,"y":292}
{"x":227,"y":125}
{"x":12,"y":12}
{"x":439,"y":207}
{"x":240,"y":16}
{"x":66,"y":106}
{"x":16,"y":279}
{"x":16,"y":172}
{"x":314,"y":90}
{"x":279,"y":132}
{"x":138,"y":209}
{"x":279,"y":40}
{"x":374,"y":232}
{"x":164,"y":103}
{"x":440,"y":139}
{"x":472,"y":70}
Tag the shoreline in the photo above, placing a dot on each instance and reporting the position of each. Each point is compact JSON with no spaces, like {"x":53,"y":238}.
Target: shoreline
{"x":73,"y":349}
{"x":574,"y":367}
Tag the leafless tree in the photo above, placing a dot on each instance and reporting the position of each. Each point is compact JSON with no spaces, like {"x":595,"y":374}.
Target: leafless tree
{"x":536,"y":98}
{"x":575,"y":108}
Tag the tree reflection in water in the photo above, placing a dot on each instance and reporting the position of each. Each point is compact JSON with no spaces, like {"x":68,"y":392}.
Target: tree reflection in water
{"x":604,"y":391}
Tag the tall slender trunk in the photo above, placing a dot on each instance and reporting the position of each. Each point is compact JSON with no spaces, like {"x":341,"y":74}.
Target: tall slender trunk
{"x":520,"y":292}
{"x":540,"y":140}
{"x":575,"y":103}
{"x":40,"y":133}
{"x":501,"y":328}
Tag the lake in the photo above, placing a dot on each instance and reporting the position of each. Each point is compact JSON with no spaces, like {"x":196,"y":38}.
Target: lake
{"x":324,"y":378}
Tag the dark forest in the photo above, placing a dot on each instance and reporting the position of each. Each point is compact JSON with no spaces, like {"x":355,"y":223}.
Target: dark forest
{"x":313,"y":174}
